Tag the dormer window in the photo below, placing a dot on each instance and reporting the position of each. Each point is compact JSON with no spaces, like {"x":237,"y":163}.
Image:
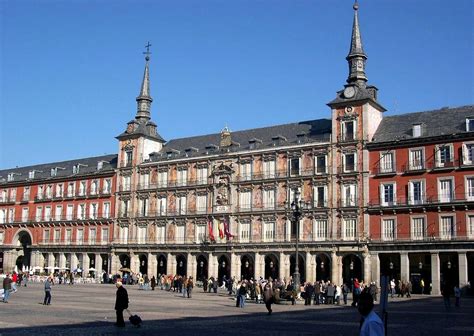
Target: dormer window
{"x":31,"y":174}
{"x":100,"y":165}
{"x":254,"y":143}
{"x":11,"y":177}
{"x":75,"y":169}
{"x":211,"y":148}
{"x":470,"y":124}
{"x":417,"y":128}
{"x":301,"y":137}
{"x":54,"y":172}
{"x":278,"y":140}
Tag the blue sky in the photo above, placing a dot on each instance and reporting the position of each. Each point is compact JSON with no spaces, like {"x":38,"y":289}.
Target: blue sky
{"x":70,"y":70}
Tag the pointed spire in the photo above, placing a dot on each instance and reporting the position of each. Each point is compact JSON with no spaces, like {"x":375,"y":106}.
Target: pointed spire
{"x":357,"y":56}
{"x":144,"y":100}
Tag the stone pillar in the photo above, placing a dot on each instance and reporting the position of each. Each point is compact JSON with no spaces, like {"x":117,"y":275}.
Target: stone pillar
{"x":375,"y":266}
{"x":288,"y":230}
{"x":435,"y":274}
{"x":152,"y":265}
{"x":50,"y":268}
{"x":463,"y":271}
{"x":284,"y":266}
{"x":191,"y":265}
{"x":404,"y":266}
{"x":98,"y":265}
{"x":366,"y":261}
{"x":8,"y":262}
{"x":114,"y":264}
{"x":334,"y":268}
{"x":62,"y":261}
{"x":85,"y":265}
{"x":134,"y":262}
{"x":235,"y":264}
{"x":213,"y":266}
{"x":310,"y":267}
{"x":170,"y":264}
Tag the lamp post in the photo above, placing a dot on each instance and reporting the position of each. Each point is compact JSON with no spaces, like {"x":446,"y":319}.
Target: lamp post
{"x":296,"y":206}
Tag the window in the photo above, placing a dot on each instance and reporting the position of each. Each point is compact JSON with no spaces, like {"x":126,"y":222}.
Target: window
{"x":100,"y":165}
{"x":444,"y":155}
{"x":58,"y":213}
{"x":269,"y":198}
{"x":349,"y":229}
{"x":294,"y":166}
{"x":2,"y":237}
{"x":245,"y":171}
{"x":388,"y":229}
{"x":160,"y":234}
{"x":47,"y":213}
{"x":320,"y":200}
{"x":107,"y":186}
{"x":125,"y":208}
{"x":141,"y":234}
{"x":126,"y":183}
{"x":68,"y":237}
{"x":182,"y":177}
{"x":93,"y":210}
{"x":202,"y":175}
{"x":75,"y":169}
{"x":268,"y":231}
{"x":417,"y":130}
{"x":145,"y":180}
{"x":82,"y":188}
{"x":269,"y":169}
{"x":447,"y":228}
{"x":470,"y":225}
{"x":320,"y":229}
{"x":57,"y":236}
{"x":348,"y":130}
{"x":3,"y":196}
{"x":54,"y":172}
{"x":39,"y":213}
{"x":106,"y":210}
{"x":69,"y":211}
{"x":81,"y":211}
{"x":162,"y":179}
{"x":10,"y":177}
{"x":291,"y":194}
{"x":387,"y":163}
{"x":80,"y":236}
{"x":182,"y":205}
{"x":388,"y":194}
{"x":321,"y":164}
{"x":201,"y":203}
{"x":349,"y":162}
{"x":24,"y":214}
{"x":94,"y":187}
{"x":71,"y":189}
{"x":180,"y":234}
{"x":13,"y":195}
{"x":417,"y":161}
{"x":200,"y":233}
{"x":40,"y":192}
{"x":46,"y":237}
{"x":245,"y":232}
{"x":469,"y":124}
{"x":26,"y":193}
{"x":468,"y":153}
{"x":349,"y":195}
{"x":416,"y":192}
{"x":445,"y":190}
{"x":143,"y":207}
{"x":49,"y":191}
{"x":3,"y":216}
{"x":31,"y":174}
{"x":418,"y":228}
{"x":162,"y":205}
{"x":11,"y":215}
{"x":128,"y":158}
{"x":105,"y":235}
{"x":245,"y":198}
{"x":123,"y":234}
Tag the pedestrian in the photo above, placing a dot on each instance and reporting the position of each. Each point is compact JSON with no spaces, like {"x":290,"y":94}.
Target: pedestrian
{"x":373,"y":290}
{"x":190,"y":287}
{"x":242,"y":294}
{"x":153,"y":283}
{"x":121,"y":303}
{"x":268,"y":297}
{"x":338,"y":295}
{"x":345,"y":292}
{"x":371,"y":324}
{"x":47,"y":291}
{"x":356,"y":292}
{"x":204,"y":285}
{"x":14,"y":282}
{"x":422,"y":285}
{"x":457,"y":295}
{"x":331,"y":291}
{"x":7,"y":287}
{"x":409,"y":288}
{"x":392,"y":288}
{"x":446,"y":292}
{"x":317,"y":293}
{"x":185,"y":286}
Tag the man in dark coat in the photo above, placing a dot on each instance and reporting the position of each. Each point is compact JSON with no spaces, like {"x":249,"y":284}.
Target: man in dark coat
{"x":121,"y":303}
{"x":268,"y":297}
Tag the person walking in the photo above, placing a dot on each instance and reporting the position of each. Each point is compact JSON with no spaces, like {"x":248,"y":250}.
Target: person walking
{"x":190,"y":287}
{"x":153,"y":283}
{"x":422,"y":285}
{"x":345,"y":292}
{"x":457,"y":295}
{"x":268,"y":297}
{"x":242,"y":294}
{"x":47,"y":291}
{"x":7,"y":287}
{"x":371,"y":324}
{"x":121,"y":303}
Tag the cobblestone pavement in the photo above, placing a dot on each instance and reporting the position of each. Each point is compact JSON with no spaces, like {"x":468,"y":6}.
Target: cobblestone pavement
{"x":88,"y":310}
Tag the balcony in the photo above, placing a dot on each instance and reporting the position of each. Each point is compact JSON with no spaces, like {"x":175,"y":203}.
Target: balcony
{"x":411,"y":201}
{"x":437,"y":165}
{"x":385,"y":170}
{"x":414,"y":167}
{"x":429,"y":236}
{"x":347,"y":169}
{"x":6,"y":201}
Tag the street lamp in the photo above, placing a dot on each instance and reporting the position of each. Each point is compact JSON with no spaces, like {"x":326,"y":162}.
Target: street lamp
{"x":247,"y":264}
{"x":390,"y":265}
{"x":297,"y":206}
{"x":449,"y":264}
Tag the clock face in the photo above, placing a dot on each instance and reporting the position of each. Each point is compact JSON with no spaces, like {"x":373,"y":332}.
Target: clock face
{"x":349,"y":92}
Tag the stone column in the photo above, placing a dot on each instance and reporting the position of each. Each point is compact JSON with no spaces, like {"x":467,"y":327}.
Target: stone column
{"x":235,"y":264}
{"x":288,"y":230}
{"x":152,"y":265}
{"x":310,"y":267}
{"x":257,"y":267}
{"x":462,"y":263}
{"x":191,"y":265}
{"x":85,"y":265}
{"x":284,"y":266}
{"x":114,"y":264}
{"x":74,"y":262}
{"x":213,"y":266}
{"x":50,"y":263}
{"x":62,"y":261}
{"x":404,"y":266}
{"x":334,"y":268}
{"x":375,"y":266}
{"x":8,"y":262}
{"x":98,"y":265}
{"x":435,"y":274}
{"x":366,"y":260}
{"x":134,"y":262}
{"x":170,"y":264}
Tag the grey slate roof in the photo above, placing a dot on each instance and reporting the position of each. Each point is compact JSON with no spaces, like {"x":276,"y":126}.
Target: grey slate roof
{"x":43,"y":171}
{"x":435,"y":123}
{"x":314,"y":131}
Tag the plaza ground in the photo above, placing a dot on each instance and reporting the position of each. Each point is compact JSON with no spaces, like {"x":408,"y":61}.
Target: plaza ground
{"x":88,"y":310}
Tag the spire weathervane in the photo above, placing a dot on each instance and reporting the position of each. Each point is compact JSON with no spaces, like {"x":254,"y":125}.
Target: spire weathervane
{"x":147,"y":52}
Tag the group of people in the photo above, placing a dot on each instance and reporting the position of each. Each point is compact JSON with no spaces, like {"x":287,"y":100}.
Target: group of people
{"x":402,"y":288}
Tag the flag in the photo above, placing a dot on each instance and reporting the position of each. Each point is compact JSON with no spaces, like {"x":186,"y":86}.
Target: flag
{"x":211,"y":234}
{"x":221,"y":230}
{"x":227,"y":230}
